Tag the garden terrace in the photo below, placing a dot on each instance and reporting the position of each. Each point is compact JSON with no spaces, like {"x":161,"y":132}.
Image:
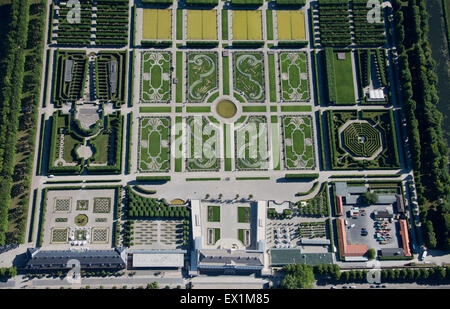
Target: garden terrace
{"x":112,"y":22}
{"x":110,"y":68}
{"x":70,"y":75}
{"x":381,"y":121}
{"x":248,"y":75}
{"x":294,"y":77}
{"x":368,"y":34}
{"x":202,"y":75}
{"x":74,"y":33}
{"x":334,"y":23}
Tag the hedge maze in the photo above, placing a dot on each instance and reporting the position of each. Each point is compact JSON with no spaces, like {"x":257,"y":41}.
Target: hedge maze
{"x":251,"y":144}
{"x":112,"y":22}
{"x":334,"y":23}
{"x":154,"y":144}
{"x":248,"y":75}
{"x":362,"y":140}
{"x":156,"y":77}
{"x":298,"y":140}
{"x":203,"y":140}
{"x":294,"y":76}
{"x":202,"y":75}
{"x":70,"y":75}
{"x":110,"y":69}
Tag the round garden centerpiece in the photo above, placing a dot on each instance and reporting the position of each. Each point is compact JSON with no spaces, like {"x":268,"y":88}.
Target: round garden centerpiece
{"x":81,"y":220}
{"x":226,"y":109}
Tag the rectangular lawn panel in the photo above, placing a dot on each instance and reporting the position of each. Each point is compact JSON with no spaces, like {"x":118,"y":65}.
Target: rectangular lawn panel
{"x":154,"y":144}
{"x":224,"y":24}
{"x":213,"y":213}
{"x":298,"y":142}
{"x":156,"y":77}
{"x":227,"y":145}
{"x":294,"y":76}
{"x":178,"y":143}
{"x":155,"y":109}
{"x":179,"y":24}
{"x":341,"y":89}
{"x":157,"y":24}
{"x":203,"y":140}
{"x":248,"y":73}
{"x":272,"y":79}
{"x":179,"y":87}
{"x":243,"y":214}
{"x":251,"y":144}
{"x":269,"y":21}
{"x":226,"y":75}
{"x":275,"y":142}
{"x":202,"y":72}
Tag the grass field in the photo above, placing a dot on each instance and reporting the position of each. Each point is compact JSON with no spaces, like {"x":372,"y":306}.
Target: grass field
{"x":243,"y":214}
{"x":294,"y":76}
{"x":248,"y":73}
{"x":224,"y":24}
{"x":345,"y":90}
{"x":291,"y":25}
{"x":202,"y":24}
{"x":213,"y":213}
{"x":202,"y":145}
{"x":154,"y":144}
{"x":156,"y":77}
{"x":179,"y":73}
{"x":157,"y":24}
{"x":202,"y":71}
{"x":298,"y":142}
{"x":275,"y":142}
{"x":272,"y":79}
{"x":247,"y":25}
{"x":269,"y":21}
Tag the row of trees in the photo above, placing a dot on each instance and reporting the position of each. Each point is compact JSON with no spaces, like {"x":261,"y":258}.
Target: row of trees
{"x":11,"y":82}
{"x":28,"y":120}
{"x":428,"y":150}
{"x":301,"y":276}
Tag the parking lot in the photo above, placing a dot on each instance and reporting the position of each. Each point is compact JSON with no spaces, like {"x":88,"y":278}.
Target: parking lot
{"x":367,"y":221}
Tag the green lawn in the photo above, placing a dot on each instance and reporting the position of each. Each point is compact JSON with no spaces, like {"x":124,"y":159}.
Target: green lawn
{"x":275,"y":142}
{"x":178,"y":144}
{"x":253,"y":109}
{"x":213,"y":213}
{"x":269,"y":19}
{"x":227,"y":147}
{"x":272,"y":79}
{"x":154,"y":144}
{"x":155,"y":109}
{"x":296,"y":108}
{"x":179,"y":94}
{"x":243,"y":215}
{"x":226,"y":75}
{"x":345,"y":90}
{"x":295,"y":87}
{"x":179,"y":24}
{"x":198,"y":109}
{"x":224,"y":24}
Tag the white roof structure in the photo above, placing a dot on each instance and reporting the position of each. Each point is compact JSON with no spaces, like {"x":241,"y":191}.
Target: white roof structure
{"x":158,"y":259}
{"x":377,"y":94}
